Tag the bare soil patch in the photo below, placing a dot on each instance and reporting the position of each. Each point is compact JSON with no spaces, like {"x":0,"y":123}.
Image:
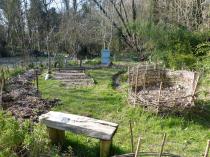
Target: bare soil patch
{"x":22,"y":99}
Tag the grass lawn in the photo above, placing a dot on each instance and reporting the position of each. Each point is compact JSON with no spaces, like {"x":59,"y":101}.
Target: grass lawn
{"x":185,"y":136}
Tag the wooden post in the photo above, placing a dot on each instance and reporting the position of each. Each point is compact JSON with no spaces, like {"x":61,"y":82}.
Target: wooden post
{"x":105,"y":146}
{"x":207,"y":149}
{"x":56,"y":136}
{"x":162,"y":145}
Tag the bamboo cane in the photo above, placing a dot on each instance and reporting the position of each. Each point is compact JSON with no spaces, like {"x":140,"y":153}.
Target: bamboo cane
{"x":138,"y":146}
{"x":207,"y":149}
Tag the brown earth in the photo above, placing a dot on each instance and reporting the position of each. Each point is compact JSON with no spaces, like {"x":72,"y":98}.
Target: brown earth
{"x":21,"y":98}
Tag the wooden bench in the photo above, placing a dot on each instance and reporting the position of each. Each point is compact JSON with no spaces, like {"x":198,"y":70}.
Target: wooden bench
{"x":58,"y":123}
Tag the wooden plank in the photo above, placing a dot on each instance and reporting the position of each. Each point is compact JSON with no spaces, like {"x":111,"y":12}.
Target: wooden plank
{"x":79,"y":124}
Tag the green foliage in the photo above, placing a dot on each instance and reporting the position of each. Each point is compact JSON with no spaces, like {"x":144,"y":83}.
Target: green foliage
{"x":12,"y":135}
{"x":31,"y":65}
{"x":176,"y":61}
{"x":202,"y":49}
{"x":174,"y":45}
{"x":59,"y":60}
{"x":73,"y":62}
{"x":37,"y":141}
{"x":8,"y":72}
{"x":95,"y":61}
{"x":24,"y":138}
{"x":180,"y":61}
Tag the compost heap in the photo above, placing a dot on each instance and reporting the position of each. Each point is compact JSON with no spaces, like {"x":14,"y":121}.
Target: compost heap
{"x":21,"y":98}
{"x":162,"y":90}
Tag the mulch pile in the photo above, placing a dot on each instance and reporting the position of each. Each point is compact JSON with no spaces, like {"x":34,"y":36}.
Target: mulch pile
{"x":21,"y":98}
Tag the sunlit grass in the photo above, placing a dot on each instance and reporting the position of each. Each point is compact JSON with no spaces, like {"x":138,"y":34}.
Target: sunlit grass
{"x":184,"y":137}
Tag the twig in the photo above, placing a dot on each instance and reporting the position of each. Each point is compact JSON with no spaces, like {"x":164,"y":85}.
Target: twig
{"x":131,"y":131}
{"x":138,"y":146}
{"x":162,"y":145}
{"x":207,"y":149}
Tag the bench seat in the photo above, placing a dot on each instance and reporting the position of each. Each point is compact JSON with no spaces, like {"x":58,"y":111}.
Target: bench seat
{"x":58,"y":122}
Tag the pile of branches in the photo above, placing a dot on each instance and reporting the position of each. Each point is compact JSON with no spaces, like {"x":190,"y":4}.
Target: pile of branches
{"x":22,"y":99}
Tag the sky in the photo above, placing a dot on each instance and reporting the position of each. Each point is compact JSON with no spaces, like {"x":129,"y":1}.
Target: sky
{"x":58,"y":5}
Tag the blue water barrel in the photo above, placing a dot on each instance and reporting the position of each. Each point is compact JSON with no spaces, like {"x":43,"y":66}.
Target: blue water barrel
{"x":105,"y":56}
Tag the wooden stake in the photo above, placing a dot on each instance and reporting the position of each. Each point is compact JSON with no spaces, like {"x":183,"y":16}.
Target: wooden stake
{"x":1,"y":92}
{"x":131,"y":132}
{"x":138,"y":146}
{"x":195,"y":82}
{"x":129,"y":83}
{"x":128,"y":75}
{"x":160,"y":92}
{"x":144,"y":83}
{"x":37,"y":80}
{"x":136,"y":85}
{"x":132,"y":79}
{"x":207,"y":149}
{"x":175,"y":93}
{"x":162,"y":145}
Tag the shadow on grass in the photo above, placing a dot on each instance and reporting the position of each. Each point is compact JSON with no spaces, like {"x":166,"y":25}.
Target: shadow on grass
{"x":86,"y":150}
{"x":200,"y":114}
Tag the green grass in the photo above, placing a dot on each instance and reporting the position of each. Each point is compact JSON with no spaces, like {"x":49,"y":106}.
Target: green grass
{"x":185,"y":136}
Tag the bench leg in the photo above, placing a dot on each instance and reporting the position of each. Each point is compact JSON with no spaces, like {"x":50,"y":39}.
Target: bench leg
{"x":105,"y":147}
{"x":56,"y":136}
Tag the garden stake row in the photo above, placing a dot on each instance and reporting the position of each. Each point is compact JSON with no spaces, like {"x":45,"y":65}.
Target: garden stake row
{"x":137,"y":153}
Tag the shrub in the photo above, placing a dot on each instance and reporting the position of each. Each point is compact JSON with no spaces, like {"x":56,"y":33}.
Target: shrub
{"x":202,"y":49}
{"x":180,"y":61}
{"x":17,"y":139}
